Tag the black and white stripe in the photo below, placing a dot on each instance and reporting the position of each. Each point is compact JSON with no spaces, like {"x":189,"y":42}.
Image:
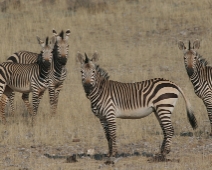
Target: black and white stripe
{"x":111,"y":99}
{"x":57,"y":74}
{"x":200,"y":75}
{"x":58,"y":71}
{"x":26,"y":78}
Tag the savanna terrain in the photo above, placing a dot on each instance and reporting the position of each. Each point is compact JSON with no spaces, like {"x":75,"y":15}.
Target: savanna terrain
{"x":136,"y":40}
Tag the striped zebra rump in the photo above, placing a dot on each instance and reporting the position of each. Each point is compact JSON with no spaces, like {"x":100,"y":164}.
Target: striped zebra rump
{"x":23,"y":57}
{"x":133,"y":100}
{"x":110,"y":99}
{"x":20,"y":76}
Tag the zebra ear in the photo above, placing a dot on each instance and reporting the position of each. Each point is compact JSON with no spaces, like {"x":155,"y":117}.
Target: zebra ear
{"x":67,"y":34}
{"x":54,"y":32}
{"x":42,"y":43}
{"x":80,"y":58}
{"x":181,"y":45}
{"x":196,"y":44}
{"x":95,"y":57}
{"x":52,"y":42}
{"x":58,"y":38}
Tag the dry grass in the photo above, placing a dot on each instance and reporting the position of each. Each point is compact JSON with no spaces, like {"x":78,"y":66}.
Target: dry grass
{"x":136,"y":40}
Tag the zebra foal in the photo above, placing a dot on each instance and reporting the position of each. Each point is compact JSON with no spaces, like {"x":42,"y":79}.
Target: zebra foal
{"x":200,"y":74}
{"x":111,"y":99}
{"x":58,"y":72}
{"x":26,"y":78}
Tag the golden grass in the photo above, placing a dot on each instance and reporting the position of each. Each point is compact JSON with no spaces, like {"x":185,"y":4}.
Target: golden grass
{"x":136,"y":41}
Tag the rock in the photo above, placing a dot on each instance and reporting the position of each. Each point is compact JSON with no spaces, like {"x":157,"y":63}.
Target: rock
{"x":71,"y":159}
{"x":90,"y":152}
{"x":76,"y":140}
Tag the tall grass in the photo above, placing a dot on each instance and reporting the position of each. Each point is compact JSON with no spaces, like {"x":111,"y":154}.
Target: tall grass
{"x":136,"y":40}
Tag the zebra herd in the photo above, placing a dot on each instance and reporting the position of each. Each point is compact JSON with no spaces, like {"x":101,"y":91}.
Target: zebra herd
{"x":27,"y":72}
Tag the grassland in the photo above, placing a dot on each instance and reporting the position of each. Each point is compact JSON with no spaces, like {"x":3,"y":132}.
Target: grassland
{"x":136,"y":40}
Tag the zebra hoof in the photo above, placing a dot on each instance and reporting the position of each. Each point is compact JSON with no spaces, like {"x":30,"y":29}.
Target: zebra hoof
{"x":115,"y":154}
{"x":159,"y":158}
{"x":110,"y":161}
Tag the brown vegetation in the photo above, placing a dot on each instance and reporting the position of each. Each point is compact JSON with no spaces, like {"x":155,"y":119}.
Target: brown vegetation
{"x":136,"y":40}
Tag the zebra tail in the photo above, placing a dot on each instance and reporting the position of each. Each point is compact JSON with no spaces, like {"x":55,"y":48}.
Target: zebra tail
{"x":190,"y":113}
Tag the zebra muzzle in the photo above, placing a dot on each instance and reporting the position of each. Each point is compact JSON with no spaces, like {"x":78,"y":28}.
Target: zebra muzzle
{"x":190,"y":71}
{"x":87,"y":87}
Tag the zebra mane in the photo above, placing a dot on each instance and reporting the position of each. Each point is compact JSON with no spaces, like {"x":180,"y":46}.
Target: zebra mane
{"x":47,"y":40}
{"x":102,"y":72}
{"x":39,"y":59}
{"x":202,"y":60}
{"x":61,"y":34}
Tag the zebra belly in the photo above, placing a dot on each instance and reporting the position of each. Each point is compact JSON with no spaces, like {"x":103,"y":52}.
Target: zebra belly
{"x":23,"y":89}
{"x":133,"y":114}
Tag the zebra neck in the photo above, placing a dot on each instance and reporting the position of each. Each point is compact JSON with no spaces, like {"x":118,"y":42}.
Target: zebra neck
{"x":58,"y":67}
{"x":96,"y":90}
{"x":59,"y":62}
{"x":44,"y":68}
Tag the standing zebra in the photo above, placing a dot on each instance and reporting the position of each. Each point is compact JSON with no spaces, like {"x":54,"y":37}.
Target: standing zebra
{"x":58,"y":72}
{"x":111,"y":99}
{"x":200,"y":74}
{"x":26,"y":78}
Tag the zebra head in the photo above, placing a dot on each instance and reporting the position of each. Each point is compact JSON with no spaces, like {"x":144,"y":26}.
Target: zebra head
{"x":190,"y":56}
{"x":47,"y":47}
{"x":61,"y":46}
{"x":88,"y":71}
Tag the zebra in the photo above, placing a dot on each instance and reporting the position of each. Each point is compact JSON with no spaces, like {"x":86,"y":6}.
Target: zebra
{"x":26,"y":78}
{"x":199,"y":74}
{"x":111,"y":99}
{"x":58,"y":72}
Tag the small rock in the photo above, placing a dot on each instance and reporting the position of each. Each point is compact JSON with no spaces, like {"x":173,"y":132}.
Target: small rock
{"x":71,"y":159}
{"x":90,"y":152}
{"x":186,"y":134}
{"x":76,"y":140}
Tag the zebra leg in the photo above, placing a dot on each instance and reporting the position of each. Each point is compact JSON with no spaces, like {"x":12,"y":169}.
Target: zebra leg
{"x":109,"y":126}
{"x":11,"y":103}
{"x":209,"y":110}
{"x":52,"y":97}
{"x":25,"y":97}
{"x":164,"y":118}
{"x":4,"y":100}
{"x":36,"y":97}
{"x":56,"y":97}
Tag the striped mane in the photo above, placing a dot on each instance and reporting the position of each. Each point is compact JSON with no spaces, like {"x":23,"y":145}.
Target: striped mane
{"x":202,"y":60}
{"x":102,"y":72}
{"x":61,"y":34}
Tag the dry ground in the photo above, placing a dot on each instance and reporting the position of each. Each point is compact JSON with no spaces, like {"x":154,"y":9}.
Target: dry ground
{"x":136,"y":40}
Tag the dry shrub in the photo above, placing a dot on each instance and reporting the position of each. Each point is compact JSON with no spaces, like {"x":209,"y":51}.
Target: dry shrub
{"x":14,"y":4}
{"x":92,"y":6}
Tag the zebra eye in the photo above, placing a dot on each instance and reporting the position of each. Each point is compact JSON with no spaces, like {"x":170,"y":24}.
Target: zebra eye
{"x":81,"y":71}
{"x":93,"y":71}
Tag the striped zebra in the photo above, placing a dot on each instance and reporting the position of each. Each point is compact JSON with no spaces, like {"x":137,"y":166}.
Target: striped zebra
{"x":58,"y":72}
{"x":112,"y":99}
{"x":200,"y":74}
{"x":26,"y":78}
